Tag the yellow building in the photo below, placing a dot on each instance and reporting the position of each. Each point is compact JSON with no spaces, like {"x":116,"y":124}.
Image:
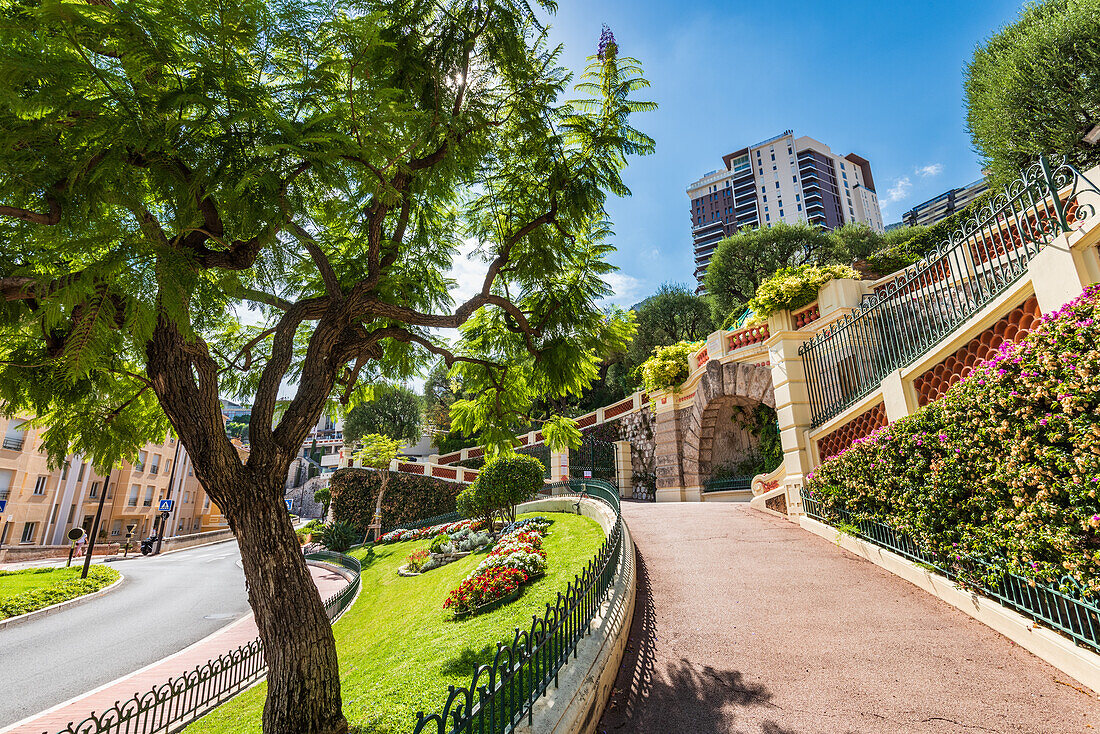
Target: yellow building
{"x":41,"y":505}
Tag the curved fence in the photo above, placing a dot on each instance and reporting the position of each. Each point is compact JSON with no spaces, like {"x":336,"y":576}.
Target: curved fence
{"x":500,"y":695}
{"x":930,"y":299}
{"x":1070,"y":614}
{"x":171,"y":706}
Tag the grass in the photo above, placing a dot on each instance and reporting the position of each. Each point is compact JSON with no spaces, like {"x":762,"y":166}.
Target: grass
{"x":399,"y":649}
{"x":29,"y":589}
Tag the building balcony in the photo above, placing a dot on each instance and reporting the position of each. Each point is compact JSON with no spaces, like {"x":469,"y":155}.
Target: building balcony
{"x":13,"y":444}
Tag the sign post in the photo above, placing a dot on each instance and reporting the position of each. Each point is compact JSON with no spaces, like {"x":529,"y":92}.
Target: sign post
{"x":74,"y":535}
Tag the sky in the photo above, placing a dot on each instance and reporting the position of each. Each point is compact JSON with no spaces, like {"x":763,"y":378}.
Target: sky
{"x":884,"y":80}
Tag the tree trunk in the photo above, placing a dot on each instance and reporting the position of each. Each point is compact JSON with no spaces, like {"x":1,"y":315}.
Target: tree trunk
{"x":303,"y":680}
{"x":376,"y":521}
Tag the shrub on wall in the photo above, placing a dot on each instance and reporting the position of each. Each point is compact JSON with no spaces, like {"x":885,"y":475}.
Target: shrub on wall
{"x":793,"y":288}
{"x":1004,"y":469}
{"x":408,"y":497}
{"x":668,"y":367}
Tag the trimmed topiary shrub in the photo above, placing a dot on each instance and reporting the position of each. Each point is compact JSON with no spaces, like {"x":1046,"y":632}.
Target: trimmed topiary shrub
{"x":1003,"y":470}
{"x":408,"y":497}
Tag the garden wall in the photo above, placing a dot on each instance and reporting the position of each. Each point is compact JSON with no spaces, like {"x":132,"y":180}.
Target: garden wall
{"x":408,"y":497}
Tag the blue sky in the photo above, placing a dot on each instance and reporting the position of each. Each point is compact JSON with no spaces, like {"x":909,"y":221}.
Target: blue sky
{"x":883,"y":80}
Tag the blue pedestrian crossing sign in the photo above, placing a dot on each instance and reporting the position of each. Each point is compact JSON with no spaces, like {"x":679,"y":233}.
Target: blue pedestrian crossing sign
{"x":166,"y":505}
{"x":3,"y":505}
{"x":289,"y":505}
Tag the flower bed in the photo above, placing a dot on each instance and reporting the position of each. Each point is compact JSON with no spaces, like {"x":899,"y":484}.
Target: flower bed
{"x":516,"y":559}
{"x":1002,"y":473}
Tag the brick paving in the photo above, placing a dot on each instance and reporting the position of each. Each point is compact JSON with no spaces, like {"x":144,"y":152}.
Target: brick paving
{"x":228,"y":638}
{"x":747,"y":624}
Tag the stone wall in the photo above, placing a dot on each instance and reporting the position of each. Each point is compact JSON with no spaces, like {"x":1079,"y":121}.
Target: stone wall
{"x":638,"y":429}
{"x":302,"y":497}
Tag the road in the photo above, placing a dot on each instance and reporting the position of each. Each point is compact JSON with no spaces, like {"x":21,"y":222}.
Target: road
{"x":164,"y":604}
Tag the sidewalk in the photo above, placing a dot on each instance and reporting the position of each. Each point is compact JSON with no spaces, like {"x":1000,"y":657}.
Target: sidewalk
{"x":228,"y":638}
{"x":747,"y":624}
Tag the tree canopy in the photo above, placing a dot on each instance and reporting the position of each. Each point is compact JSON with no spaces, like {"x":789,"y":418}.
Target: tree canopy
{"x":1032,"y":88}
{"x":167,"y":167}
{"x":392,"y":410}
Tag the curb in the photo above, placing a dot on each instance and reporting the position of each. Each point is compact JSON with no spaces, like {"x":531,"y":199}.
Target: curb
{"x":1044,"y":643}
{"x":44,"y":611}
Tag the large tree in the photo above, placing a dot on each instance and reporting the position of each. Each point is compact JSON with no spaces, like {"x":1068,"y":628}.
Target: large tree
{"x":1034,"y":88}
{"x":392,"y":411}
{"x":167,"y":166}
{"x":744,"y":260}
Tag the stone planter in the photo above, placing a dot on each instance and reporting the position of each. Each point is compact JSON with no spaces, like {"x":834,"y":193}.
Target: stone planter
{"x":442,"y":558}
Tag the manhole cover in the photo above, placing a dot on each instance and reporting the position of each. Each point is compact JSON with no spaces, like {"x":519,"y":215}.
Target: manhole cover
{"x":220,"y":616}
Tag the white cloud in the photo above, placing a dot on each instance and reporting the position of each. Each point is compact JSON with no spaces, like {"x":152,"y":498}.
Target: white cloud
{"x":467,"y":272}
{"x":628,"y":289}
{"x":899,"y":190}
{"x":932,"y":169}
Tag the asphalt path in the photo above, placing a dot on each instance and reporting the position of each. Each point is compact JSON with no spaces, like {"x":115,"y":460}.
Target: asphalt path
{"x":164,"y":604}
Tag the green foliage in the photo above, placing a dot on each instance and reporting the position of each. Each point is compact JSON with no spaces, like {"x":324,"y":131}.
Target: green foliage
{"x":793,"y":288}
{"x":392,"y":411}
{"x":1004,"y":469}
{"x":473,"y":502}
{"x":338,"y":536}
{"x":50,"y":586}
{"x":1030,"y":89}
{"x":668,"y":367}
{"x":377,"y":451}
{"x":324,"y":496}
{"x":408,"y":497}
{"x":742,"y":262}
{"x":164,"y":168}
{"x":439,"y":541}
{"x":509,"y":479}
{"x":237,"y":427}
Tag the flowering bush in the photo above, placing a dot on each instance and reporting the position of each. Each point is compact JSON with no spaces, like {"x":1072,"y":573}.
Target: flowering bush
{"x":519,"y":551}
{"x":1004,"y":469}
{"x":793,"y":288}
{"x":521,"y":559}
{"x":668,"y":367}
{"x":417,"y":559}
{"x":483,"y":588}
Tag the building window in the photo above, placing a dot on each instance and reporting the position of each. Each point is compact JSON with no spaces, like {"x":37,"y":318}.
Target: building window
{"x":780,"y":212}
{"x":777,"y":184}
{"x":116,"y":527}
{"x":28,"y":532}
{"x":761,"y":171}
{"x":196,"y":526}
{"x":767,"y":217}
{"x":5,"y":482}
{"x":155,"y":466}
{"x":773,"y":156}
{"x":40,"y":485}
{"x":140,"y":465}
{"x":149,"y":496}
{"x":94,"y":491}
{"x":135,"y":490}
{"x":765,"y":198}
{"x":186,"y":497}
{"x":797,"y":197}
{"x":799,"y":207}
{"x":794,"y":178}
{"x":65,"y":470}
{"x":15,"y":435}
{"x":111,"y":491}
{"x":206,"y":504}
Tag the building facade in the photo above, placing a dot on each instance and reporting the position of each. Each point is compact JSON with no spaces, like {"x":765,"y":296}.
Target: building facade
{"x":40,"y":504}
{"x":940,"y":207}
{"x":781,"y":179}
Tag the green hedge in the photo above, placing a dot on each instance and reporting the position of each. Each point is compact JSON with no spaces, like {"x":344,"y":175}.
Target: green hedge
{"x":99,"y":577}
{"x":1005,"y":468}
{"x":408,"y":497}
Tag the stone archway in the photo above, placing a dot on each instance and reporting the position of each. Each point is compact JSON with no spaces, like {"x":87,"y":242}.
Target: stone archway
{"x":686,"y":438}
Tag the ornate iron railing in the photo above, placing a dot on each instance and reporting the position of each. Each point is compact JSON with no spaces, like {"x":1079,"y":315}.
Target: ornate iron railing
{"x":502,"y":694}
{"x":595,"y":456}
{"x":728,"y":483}
{"x":171,"y":706}
{"x":1069,"y":613}
{"x":905,"y":318}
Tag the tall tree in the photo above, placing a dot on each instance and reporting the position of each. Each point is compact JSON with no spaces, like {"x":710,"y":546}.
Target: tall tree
{"x":392,"y":411}
{"x":743,"y":261}
{"x":1032,"y":88}
{"x":166,"y":165}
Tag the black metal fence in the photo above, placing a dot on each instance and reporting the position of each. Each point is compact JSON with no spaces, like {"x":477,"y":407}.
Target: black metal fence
{"x":727,"y":483}
{"x":502,"y":694}
{"x":171,"y":706}
{"x":1070,"y":614}
{"x":594,"y":459}
{"x":930,"y":299}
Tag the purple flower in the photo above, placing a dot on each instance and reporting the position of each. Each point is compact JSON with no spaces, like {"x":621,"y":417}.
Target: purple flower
{"x":607,"y":48}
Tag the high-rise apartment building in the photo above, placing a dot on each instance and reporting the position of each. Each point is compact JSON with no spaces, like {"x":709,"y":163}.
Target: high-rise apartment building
{"x":782,"y":179}
{"x":941,"y":207}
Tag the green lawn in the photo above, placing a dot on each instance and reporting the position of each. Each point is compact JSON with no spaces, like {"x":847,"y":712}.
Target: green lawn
{"x":34,"y":588}
{"x":399,"y":649}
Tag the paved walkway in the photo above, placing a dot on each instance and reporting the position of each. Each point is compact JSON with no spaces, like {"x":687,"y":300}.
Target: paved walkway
{"x":746,"y":623}
{"x":228,"y":638}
